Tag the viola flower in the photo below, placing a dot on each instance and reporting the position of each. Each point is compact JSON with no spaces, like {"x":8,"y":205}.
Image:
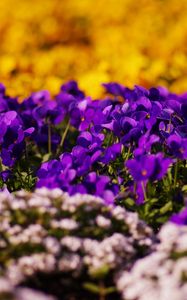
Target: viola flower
{"x":71,"y":88}
{"x":56,"y":173}
{"x":141,"y":168}
{"x":82,"y":115}
{"x":140,"y":91}
{"x":49,"y":111}
{"x":144,"y":168}
{"x":41,"y":138}
{"x":182,"y":130}
{"x":184,"y":110}
{"x":12,"y":137}
{"x":180,"y":218}
{"x":148,"y":167}
{"x":126,"y":128}
{"x":90,"y":140}
{"x":166,"y":129}
{"x":111,"y":153}
{"x":161,"y":166}
{"x":155,"y":94}
{"x":143,"y":104}
{"x":87,"y":113}
{"x":66,"y":101}
{"x":145,"y":143}
{"x":177,"y":146}
{"x":49,"y":169}
{"x":115,"y":89}
{"x":5,"y":175}
{"x":146,"y":112}
{"x":100,"y":186}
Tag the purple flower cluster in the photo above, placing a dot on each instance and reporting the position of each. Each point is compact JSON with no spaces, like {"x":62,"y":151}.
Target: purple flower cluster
{"x":64,"y":173}
{"x":126,"y":140}
{"x":147,"y":167}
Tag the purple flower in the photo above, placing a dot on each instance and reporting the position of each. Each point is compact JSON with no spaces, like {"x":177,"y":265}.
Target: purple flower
{"x":145,"y":143}
{"x":141,"y":168}
{"x":49,"y":169}
{"x":143,"y":104}
{"x":12,"y":137}
{"x":2,"y":89}
{"x":184,"y":110}
{"x":177,"y":146}
{"x":71,"y":88}
{"x":100,"y":186}
{"x":148,"y":166}
{"x":165,"y":129}
{"x":48,"y":111}
{"x":180,"y":218}
{"x":182,"y":130}
{"x":41,"y":138}
{"x":111,"y":153}
{"x":115,"y":89}
{"x":5,"y":175}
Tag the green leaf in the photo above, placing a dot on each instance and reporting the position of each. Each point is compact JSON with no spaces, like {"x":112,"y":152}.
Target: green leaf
{"x":46,"y":157}
{"x":184,"y":188}
{"x":110,"y":290}
{"x":162,"y":219}
{"x":129,"y":202}
{"x":91,"y":287}
{"x":167,"y":207}
{"x":153,"y":200}
{"x":100,"y":273}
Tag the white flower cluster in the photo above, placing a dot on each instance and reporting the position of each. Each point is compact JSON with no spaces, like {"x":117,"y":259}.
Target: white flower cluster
{"x":9,"y":292}
{"x":114,"y":251}
{"x":162,"y":274}
{"x":50,"y":232}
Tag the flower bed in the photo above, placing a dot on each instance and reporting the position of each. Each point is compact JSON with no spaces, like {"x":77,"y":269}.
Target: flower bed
{"x":86,"y":186}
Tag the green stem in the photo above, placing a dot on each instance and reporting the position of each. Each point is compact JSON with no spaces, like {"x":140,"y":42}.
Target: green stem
{"x":109,"y":139}
{"x":1,"y":165}
{"x":64,"y":136}
{"x":128,"y":153}
{"x":134,"y":189}
{"x":102,"y":293}
{"x":27,"y":162}
{"x":175,"y":174}
{"x":144,"y":191}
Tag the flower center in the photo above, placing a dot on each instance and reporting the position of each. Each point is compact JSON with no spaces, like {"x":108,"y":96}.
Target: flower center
{"x":144,"y":172}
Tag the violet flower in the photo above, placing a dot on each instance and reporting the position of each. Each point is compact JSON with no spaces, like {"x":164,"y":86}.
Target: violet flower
{"x":177,"y":146}
{"x":180,"y":218}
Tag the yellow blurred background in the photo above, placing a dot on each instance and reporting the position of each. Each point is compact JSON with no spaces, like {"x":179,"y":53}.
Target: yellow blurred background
{"x":46,"y":42}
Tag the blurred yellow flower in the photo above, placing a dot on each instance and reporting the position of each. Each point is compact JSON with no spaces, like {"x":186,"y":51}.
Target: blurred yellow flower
{"x":45,"y":42}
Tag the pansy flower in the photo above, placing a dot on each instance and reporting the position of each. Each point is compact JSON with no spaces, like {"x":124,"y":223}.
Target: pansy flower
{"x":177,"y":146}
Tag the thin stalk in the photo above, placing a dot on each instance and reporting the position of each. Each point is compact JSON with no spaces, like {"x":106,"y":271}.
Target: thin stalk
{"x":135,"y":186}
{"x":102,"y":292}
{"x":128,"y":153}
{"x":1,"y":165}
{"x":175,"y":174}
{"x":110,"y":139}
{"x":144,"y":191}
{"x":27,"y":163}
{"x":64,"y":136}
